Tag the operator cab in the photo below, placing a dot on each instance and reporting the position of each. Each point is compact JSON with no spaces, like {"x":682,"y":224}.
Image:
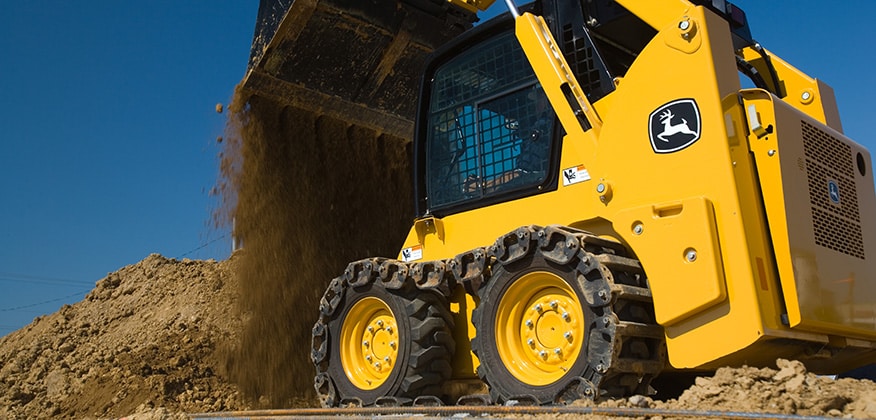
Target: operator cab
{"x":485,"y":131}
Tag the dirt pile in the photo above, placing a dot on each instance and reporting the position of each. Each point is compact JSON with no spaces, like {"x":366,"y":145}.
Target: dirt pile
{"x":145,"y":337}
{"x":789,"y":389}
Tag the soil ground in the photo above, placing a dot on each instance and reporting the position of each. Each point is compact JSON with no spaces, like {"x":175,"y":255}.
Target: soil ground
{"x":152,"y":341}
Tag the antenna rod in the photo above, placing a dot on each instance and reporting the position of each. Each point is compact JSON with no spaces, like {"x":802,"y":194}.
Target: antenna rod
{"x":512,"y":8}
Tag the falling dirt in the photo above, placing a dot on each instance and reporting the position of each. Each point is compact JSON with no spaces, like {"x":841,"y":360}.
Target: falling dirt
{"x":313,"y":193}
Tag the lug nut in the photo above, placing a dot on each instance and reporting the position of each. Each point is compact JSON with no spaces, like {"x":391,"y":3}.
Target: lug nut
{"x":531,"y":342}
{"x":538,"y":307}
{"x":543,"y":354}
{"x":554,"y":304}
{"x":568,"y":335}
{"x":365,"y":343}
{"x":389,"y":330}
{"x":370,"y":329}
{"x":377,"y":365}
{"x":368,"y":358}
{"x":386,"y":359}
{"x":557,"y":351}
{"x":529,"y":323}
{"x":392,"y":344}
{"x":379,"y":323}
{"x":566,"y":316}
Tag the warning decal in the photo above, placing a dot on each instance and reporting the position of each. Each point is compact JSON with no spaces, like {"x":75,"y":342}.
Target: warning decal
{"x":413,"y":253}
{"x":575,"y":175}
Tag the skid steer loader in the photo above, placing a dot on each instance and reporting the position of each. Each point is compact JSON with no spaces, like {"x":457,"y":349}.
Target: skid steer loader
{"x":598,"y":199}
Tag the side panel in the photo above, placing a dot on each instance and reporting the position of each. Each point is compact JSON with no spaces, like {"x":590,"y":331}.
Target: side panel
{"x":819,"y":195}
{"x":699,"y":280}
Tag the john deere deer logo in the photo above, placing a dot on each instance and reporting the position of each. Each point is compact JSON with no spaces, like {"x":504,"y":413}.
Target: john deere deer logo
{"x":674,"y":126}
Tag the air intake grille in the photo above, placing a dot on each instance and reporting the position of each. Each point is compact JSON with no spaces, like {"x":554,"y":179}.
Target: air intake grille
{"x":832,"y":192}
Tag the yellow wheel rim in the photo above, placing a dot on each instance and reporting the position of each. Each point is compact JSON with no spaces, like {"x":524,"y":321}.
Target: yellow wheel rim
{"x":540,"y":328}
{"x":369,"y":343}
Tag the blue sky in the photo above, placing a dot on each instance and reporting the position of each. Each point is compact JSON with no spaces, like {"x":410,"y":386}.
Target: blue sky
{"x":108,"y":127}
{"x":109,"y":139}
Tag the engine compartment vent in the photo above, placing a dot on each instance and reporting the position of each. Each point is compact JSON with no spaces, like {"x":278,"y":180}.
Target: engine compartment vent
{"x":833,"y":192}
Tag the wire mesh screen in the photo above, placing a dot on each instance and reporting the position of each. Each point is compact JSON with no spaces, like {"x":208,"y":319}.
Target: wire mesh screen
{"x":490,"y":125}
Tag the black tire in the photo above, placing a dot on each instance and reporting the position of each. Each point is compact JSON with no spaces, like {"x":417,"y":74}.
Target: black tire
{"x":421,"y":351}
{"x":493,"y":370}
{"x":566,"y":266}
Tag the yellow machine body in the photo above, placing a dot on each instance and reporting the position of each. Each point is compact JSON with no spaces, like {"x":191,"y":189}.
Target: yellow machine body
{"x":754,"y":238}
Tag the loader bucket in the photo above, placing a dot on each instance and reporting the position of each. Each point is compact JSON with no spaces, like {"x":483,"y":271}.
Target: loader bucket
{"x":354,"y":60}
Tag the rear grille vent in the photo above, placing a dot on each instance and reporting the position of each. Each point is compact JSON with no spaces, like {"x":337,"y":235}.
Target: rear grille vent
{"x":833,"y":193}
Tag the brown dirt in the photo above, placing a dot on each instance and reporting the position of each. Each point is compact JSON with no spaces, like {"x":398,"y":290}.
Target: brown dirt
{"x":145,"y":337}
{"x":308,"y":194}
{"x":788,"y":389}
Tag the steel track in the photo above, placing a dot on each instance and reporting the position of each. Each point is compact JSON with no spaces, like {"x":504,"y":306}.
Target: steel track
{"x":484,"y":412}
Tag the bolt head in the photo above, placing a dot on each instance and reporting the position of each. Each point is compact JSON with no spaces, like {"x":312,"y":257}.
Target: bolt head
{"x":566,"y":316}
{"x":638,"y":229}
{"x":568,"y":335}
{"x":386,"y":358}
{"x":368,"y":358}
{"x":379,"y":323}
{"x":554,"y":304}
{"x":529,"y":323}
{"x":370,"y":329}
{"x":538,"y":307}
{"x":557,"y":351}
{"x":691,"y":255}
{"x":392,"y":344}
{"x":543,"y":354}
{"x":600,"y":188}
{"x":389,"y":330}
{"x":684,"y":25}
{"x":531,"y":342}
{"x":365,"y":343}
